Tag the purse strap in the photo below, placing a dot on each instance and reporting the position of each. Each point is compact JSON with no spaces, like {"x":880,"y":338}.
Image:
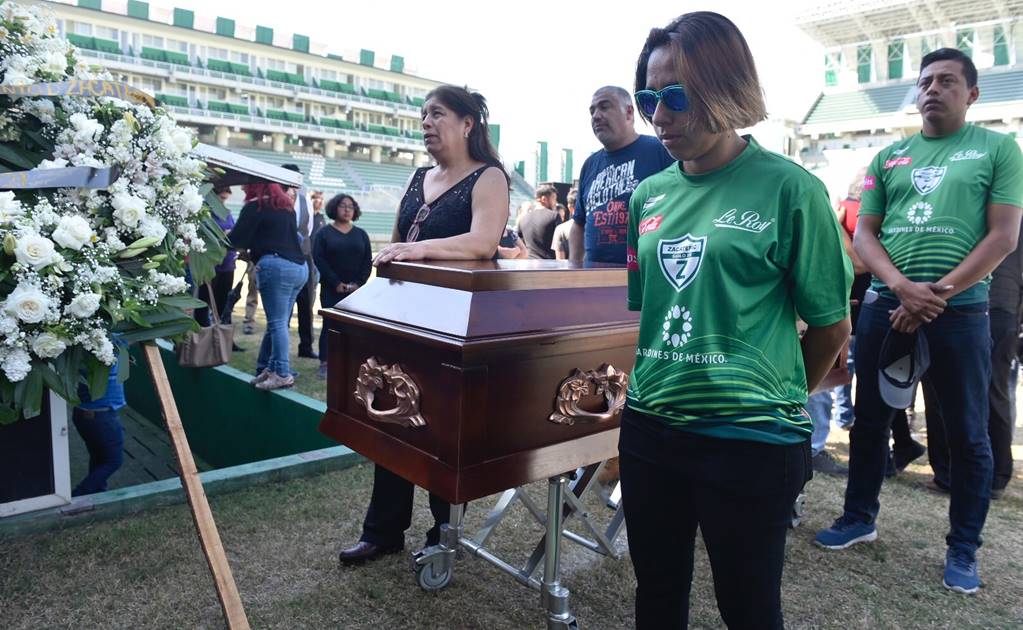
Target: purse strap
{"x":214,"y":314}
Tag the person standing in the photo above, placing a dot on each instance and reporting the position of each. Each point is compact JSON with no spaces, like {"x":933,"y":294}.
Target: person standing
{"x":714,"y":435}
{"x":456,"y":210}
{"x":224,"y":276}
{"x":608,"y":177}
{"x":536,"y":227}
{"x":267,"y":228}
{"x":561,"y":243}
{"x":940,"y":210}
{"x":343,"y":256}
{"x":305,"y":223}
{"x":99,"y":423}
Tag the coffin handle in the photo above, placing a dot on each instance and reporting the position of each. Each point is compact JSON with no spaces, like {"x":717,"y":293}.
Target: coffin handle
{"x":605,"y":380}
{"x":373,"y":376}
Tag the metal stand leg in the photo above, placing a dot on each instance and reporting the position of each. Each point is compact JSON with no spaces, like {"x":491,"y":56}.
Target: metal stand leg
{"x":553,"y":595}
{"x":434,"y":565}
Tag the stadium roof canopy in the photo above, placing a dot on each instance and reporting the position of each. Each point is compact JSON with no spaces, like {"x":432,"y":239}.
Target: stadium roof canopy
{"x":836,"y":23}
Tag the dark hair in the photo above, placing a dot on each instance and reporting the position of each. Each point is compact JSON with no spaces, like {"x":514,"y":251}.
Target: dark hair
{"x":714,"y":63}
{"x":269,"y":196}
{"x":335,"y":201}
{"x":221,"y":188}
{"x":471,"y":104}
{"x":952,"y":54}
{"x":545,"y":189}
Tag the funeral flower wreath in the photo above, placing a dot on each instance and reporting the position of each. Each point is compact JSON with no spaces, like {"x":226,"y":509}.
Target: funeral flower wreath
{"x":80,"y":267}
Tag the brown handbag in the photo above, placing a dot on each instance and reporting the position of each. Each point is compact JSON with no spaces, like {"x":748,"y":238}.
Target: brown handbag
{"x":211,"y":345}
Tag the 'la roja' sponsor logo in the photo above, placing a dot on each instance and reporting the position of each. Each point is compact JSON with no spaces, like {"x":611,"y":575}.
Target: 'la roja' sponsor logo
{"x":899,"y":161}
{"x":746,"y":220}
{"x":650,"y":225}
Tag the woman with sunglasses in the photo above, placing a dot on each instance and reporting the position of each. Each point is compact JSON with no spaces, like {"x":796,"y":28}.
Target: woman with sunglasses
{"x":725,"y":247}
{"x":456,"y":210}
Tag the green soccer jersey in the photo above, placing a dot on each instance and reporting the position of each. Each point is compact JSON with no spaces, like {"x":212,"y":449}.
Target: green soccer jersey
{"x":720,"y":264}
{"x":933,"y":195}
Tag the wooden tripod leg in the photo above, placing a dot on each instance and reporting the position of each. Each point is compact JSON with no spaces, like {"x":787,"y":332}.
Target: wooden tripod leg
{"x":209,"y":537}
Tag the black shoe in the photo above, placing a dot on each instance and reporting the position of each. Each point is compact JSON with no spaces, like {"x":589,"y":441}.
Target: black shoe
{"x":997,"y":494}
{"x":905,"y":456}
{"x":823,"y":462}
{"x":364,"y":551}
{"x":307,"y":354}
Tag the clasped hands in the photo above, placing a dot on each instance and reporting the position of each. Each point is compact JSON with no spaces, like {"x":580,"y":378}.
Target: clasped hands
{"x":920,"y":303}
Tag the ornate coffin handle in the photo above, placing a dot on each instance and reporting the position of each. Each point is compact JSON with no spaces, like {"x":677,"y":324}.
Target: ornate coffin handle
{"x":605,"y":380}
{"x":393,"y":380}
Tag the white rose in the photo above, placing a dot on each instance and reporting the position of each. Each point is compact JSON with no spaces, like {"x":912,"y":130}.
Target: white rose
{"x":128,"y":209}
{"x":27,"y":303}
{"x":73,"y":232}
{"x":47,"y":345}
{"x":35,"y":251}
{"x":10,"y":208}
{"x":191,"y":200}
{"x":56,"y":163}
{"x":84,"y":305}
{"x":14,"y":76}
{"x":86,"y":129}
{"x":54,"y":62}
{"x":150,"y":226}
{"x":17,"y":365}
{"x":181,"y":140}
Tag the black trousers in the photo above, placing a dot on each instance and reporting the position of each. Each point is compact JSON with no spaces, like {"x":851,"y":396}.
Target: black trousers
{"x":390,"y":511}
{"x":305,"y":316}
{"x":328,"y":297}
{"x":739,"y":493}
{"x":221,"y":284}
{"x":1004,"y":346}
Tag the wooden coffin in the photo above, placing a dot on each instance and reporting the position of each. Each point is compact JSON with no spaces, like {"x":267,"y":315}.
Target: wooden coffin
{"x":471,"y":377}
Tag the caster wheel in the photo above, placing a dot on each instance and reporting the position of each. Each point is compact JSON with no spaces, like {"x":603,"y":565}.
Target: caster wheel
{"x":428,"y":580}
{"x":797,"y":510}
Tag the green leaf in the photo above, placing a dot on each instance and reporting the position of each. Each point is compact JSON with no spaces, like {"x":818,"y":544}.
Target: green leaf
{"x":18,"y":157}
{"x":216,"y":205}
{"x":41,"y":141}
{"x":8,"y":415}
{"x":166,"y":330}
{"x":32,"y":400}
{"x":52,"y":379}
{"x":181,"y":301}
{"x":123,"y":362}
{"x":99,"y":374}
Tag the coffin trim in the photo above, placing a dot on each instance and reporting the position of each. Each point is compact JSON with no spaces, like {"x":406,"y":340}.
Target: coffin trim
{"x":605,"y":381}
{"x":373,"y":376}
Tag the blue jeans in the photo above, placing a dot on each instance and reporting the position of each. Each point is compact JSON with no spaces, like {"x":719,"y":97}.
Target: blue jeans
{"x":103,"y":434}
{"x":279,"y":281}
{"x":960,"y":371}
{"x":819,"y":407}
{"x":843,"y":393}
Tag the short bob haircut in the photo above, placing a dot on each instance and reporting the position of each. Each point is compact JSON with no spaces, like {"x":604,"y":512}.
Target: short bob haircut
{"x":336,"y":200}
{"x":713,"y":62}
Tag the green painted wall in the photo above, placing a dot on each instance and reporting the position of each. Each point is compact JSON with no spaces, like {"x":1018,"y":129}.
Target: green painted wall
{"x":228,"y":421}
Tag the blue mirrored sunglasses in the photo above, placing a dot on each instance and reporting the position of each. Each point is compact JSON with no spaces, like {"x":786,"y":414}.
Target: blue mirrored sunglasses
{"x":674,"y":98}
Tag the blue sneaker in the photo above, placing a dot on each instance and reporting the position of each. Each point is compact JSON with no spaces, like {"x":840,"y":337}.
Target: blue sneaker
{"x":845,"y":532}
{"x":961,"y":571}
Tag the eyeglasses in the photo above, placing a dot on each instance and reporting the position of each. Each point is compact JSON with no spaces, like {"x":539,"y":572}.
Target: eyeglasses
{"x":674,"y":98}
{"x":413,"y":231}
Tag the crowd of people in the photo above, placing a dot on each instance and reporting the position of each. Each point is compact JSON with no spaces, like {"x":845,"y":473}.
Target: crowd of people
{"x":751,"y":290}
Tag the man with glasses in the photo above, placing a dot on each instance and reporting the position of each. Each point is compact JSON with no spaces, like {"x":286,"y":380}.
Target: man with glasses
{"x":608,"y":177}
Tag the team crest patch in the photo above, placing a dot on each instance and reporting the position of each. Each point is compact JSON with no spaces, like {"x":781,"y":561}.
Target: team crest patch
{"x":681,"y":259}
{"x":926,"y":180}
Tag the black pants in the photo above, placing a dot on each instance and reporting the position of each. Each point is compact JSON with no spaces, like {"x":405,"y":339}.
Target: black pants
{"x":305,"y":316}
{"x":390,"y":511}
{"x":739,"y":493}
{"x":221,"y":284}
{"x":328,"y":297}
{"x":1004,"y":346}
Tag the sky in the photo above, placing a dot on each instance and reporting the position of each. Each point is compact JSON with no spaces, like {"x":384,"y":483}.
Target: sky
{"x":536,"y":62}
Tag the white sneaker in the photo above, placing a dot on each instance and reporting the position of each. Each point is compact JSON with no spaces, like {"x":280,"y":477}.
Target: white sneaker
{"x":265,"y":374}
{"x":276,"y":381}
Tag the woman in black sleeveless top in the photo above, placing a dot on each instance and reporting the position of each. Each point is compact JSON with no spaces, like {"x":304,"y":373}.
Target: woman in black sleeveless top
{"x":456,"y":210}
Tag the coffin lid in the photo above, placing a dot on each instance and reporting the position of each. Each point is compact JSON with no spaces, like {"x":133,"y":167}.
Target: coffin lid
{"x":475,"y":299}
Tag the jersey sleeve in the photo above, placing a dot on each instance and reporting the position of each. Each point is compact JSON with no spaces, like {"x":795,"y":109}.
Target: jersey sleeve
{"x":1007,"y":184}
{"x":819,"y":270}
{"x":635,"y":295}
{"x":874,"y":198}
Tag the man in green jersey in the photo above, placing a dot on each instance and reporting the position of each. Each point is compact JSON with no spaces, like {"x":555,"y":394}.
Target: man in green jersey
{"x":939,"y":211}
